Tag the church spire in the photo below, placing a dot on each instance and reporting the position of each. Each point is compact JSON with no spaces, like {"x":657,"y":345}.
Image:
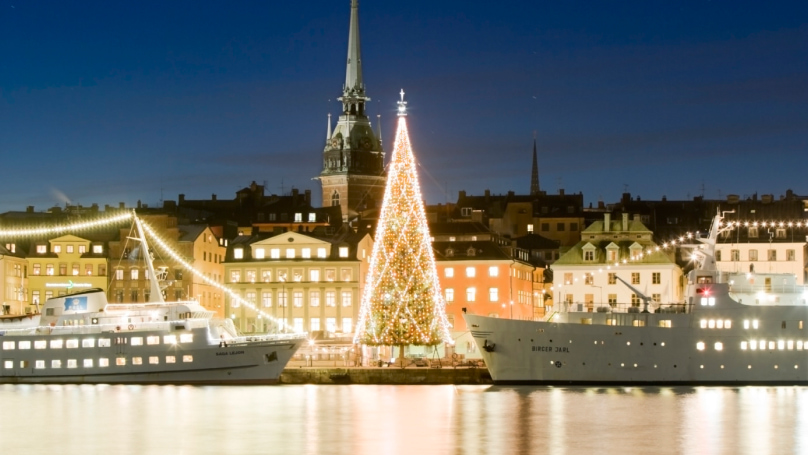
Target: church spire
{"x":534,"y":177}
{"x":354,"y":89}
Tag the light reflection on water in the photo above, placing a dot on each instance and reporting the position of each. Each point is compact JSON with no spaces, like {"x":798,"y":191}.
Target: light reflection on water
{"x":418,"y":420}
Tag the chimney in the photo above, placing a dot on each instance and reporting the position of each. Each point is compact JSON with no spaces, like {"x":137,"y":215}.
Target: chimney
{"x":561,"y":191}
{"x":182,"y":198}
{"x":607,"y":222}
{"x":139,"y":205}
{"x":29,"y":209}
{"x":213,"y":197}
{"x":625,"y":221}
{"x":308,"y":197}
{"x":121,"y":205}
{"x":461,"y":195}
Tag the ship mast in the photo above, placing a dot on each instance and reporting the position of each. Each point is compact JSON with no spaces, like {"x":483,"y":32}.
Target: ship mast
{"x":155,"y":293}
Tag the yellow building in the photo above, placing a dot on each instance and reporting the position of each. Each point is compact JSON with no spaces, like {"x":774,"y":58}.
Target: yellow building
{"x":313,"y":283}
{"x":14,"y":285}
{"x":63,"y":265}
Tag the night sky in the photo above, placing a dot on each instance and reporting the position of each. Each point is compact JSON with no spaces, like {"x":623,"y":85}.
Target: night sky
{"x":106,"y":102}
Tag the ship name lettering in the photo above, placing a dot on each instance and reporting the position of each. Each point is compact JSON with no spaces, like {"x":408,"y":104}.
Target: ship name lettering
{"x":557,"y":349}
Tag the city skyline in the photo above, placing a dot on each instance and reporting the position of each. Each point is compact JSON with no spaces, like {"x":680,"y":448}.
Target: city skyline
{"x":107,"y":103}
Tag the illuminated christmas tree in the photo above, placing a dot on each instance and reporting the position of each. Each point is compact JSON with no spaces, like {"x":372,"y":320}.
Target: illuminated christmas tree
{"x":402,"y":303}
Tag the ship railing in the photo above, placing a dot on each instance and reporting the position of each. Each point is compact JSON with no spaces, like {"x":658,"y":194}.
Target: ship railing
{"x":584,"y":307}
{"x":745,"y":288}
{"x":267,"y":337}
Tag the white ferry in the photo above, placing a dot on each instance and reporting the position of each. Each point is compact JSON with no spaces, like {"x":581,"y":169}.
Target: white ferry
{"x":724,"y":333}
{"x":83,"y":339}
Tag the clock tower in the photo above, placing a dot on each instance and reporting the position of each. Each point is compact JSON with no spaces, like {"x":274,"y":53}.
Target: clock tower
{"x":353,"y":174}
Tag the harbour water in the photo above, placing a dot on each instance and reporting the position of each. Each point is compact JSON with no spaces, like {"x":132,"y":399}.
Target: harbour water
{"x":367,"y":419}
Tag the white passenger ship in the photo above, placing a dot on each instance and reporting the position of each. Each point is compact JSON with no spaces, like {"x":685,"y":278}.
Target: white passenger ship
{"x":726,"y":332}
{"x":81,"y":338}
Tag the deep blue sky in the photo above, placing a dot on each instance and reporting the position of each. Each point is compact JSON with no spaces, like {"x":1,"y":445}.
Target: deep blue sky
{"x":114,"y":101}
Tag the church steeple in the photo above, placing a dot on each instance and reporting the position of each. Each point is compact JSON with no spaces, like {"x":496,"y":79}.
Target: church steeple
{"x":353,"y":175}
{"x":353,"y":92}
{"x":534,"y":177}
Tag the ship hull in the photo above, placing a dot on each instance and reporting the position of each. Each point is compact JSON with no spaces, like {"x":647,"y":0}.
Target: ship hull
{"x":201,"y":362}
{"x":573,"y":353}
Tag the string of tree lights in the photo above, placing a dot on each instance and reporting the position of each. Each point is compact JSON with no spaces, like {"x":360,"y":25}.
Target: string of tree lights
{"x":402,"y":303}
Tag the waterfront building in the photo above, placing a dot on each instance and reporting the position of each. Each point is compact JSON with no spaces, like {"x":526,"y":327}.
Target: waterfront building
{"x":311,"y":281}
{"x":585,"y":276}
{"x":353,"y":175}
{"x":63,"y":265}
{"x":14,"y":285}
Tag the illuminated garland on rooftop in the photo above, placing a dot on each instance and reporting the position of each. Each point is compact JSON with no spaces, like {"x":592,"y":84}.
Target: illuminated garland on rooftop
{"x":63,"y":228}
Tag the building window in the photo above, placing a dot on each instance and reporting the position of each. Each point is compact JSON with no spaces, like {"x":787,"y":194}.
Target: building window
{"x":250,"y":276}
{"x":589,"y":255}
{"x":49,"y":269}
{"x":298,"y":217}
{"x":314,"y":298}
{"x":612,"y":278}
{"x":321,"y":253}
{"x":345,"y":275}
{"x":635,"y":278}
{"x":275,"y":253}
{"x":589,"y":279}
{"x":235,"y":276}
{"x":753,"y":232}
{"x":471,"y":272}
{"x":305,"y":253}
{"x":259,"y":253}
{"x":656,"y":278}
{"x":331,"y":324}
{"x":98,"y":249}
{"x":718,"y":255}
{"x":753,"y":255}
{"x":790,"y":255}
{"x":330,"y":298}
{"x":545,"y":227}
{"x":560,"y":227}
{"x":635,"y":300}
{"x":471,"y":294}
{"x":335,"y":199}
{"x":314,"y":275}
{"x":249,"y":296}
{"x":314,"y":323}
{"x":290,"y":253}
{"x":449,"y":295}
{"x":346,"y":298}
{"x":567,"y":278}
{"x":493,"y":294}
{"x":82,"y":249}
{"x":238,"y":253}
{"x":573,"y":227}
{"x":330,"y":275}
{"x":312,"y":217}
{"x":343,"y":251}
{"x":347,"y":325}
{"x":493,"y":271}
{"x":529,"y":228}
{"x":266,"y":299}
{"x":134,"y":295}
{"x":448,"y":272}
{"x":297,"y":299}
{"x":282,"y":298}
{"x":612,"y":299}
{"x":772,"y":255}
{"x":734,"y":255}
{"x":134,"y":274}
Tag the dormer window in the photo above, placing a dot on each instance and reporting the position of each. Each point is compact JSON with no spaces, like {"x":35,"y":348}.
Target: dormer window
{"x":312,"y":217}
{"x":465,"y":211}
{"x":343,"y":251}
{"x":449,"y":252}
{"x":238,"y":253}
{"x":781,"y":233}
{"x":753,"y":232}
{"x":41,"y":249}
{"x":260,"y":253}
{"x":471,"y":252}
{"x":588,"y":252}
{"x":298,"y":217}
{"x":57,"y":248}
{"x":98,"y":249}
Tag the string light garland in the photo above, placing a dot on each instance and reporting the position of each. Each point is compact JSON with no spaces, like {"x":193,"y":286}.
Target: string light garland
{"x":233,"y":295}
{"x":72,"y":227}
{"x":402,"y":303}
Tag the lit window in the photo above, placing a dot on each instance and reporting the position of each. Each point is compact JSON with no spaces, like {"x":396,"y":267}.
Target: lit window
{"x":27,"y":345}
{"x":312,"y":217}
{"x":40,"y":344}
{"x":98,"y":249}
{"x":314,"y":275}
{"x":103,"y":362}
{"x":471,"y":272}
{"x":41,"y":249}
{"x":306,"y":253}
{"x":346,"y":298}
{"x":120,"y":361}
{"x":321,"y":253}
{"x":343,"y":251}
{"x":449,"y":297}
{"x":137,"y":360}
{"x":771,"y":345}
{"x":187,"y":358}
{"x":136,"y":341}
{"x":170,"y":339}
{"x":493,"y":271}
{"x":719,"y":346}
{"x":700,"y":345}
{"x":298,"y":217}
{"x":88,"y":363}
{"x":186,"y":338}
{"x":133,"y":274}
{"x":8,"y":364}
{"x":781,"y":345}
{"x":449,"y":272}
{"x":154,"y":360}
{"x":88,"y":343}
{"x":753,"y":345}
{"x":8,"y":345}
{"x":153,"y":339}
{"x":260,"y":253}
{"x":799,"y":345}
{"x":56,"y":363}
{"x":493,"y":294}
{"x":471,"y":294}
{"x":755,"y":324}
{"x":719,"y":324}
{"x":703,"y":323}
{"x":290,"y":253}
{"x":728,"y":324}
{"x":171,"y":359}
{"x":275,"y":253}
{"x":39,"y":364}
{"x":56,"y":344}
{"x":790,"y":345}
{"x":711,"y":323}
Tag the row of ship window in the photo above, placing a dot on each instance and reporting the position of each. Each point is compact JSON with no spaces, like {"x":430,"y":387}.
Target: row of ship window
{"x":747,"y":324}
{"x":90,"y":363}
{"x":753,"y":345}
{"x":91,"y":342}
